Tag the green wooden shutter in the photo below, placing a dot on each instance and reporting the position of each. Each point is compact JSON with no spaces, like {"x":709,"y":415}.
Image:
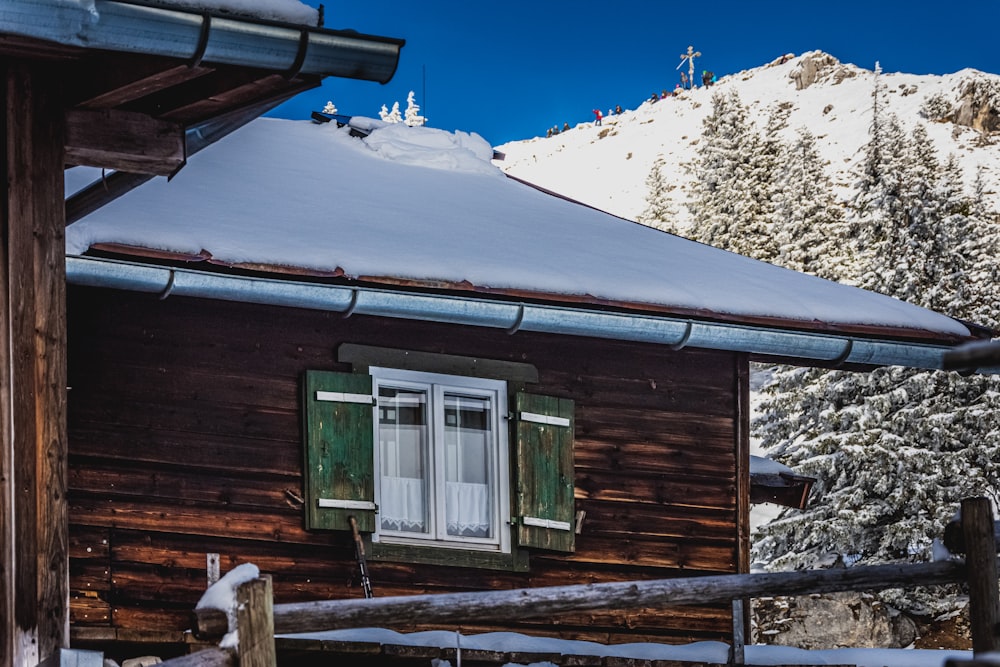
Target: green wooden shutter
{"x":544,"y":471}
{"x":339,"y":451}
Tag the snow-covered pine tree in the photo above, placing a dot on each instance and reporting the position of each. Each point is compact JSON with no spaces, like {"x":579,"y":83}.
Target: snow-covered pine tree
{"x":659,"y":213}
{"x":981,"y":249}
{"x":391,"y":116}
{"x":412,"y":115}
{"x":763,"y":168}
{"x":809,"y":225}
{"x":725,"y":208}
{"x":895,"y":450}
{"x":879,"y":209}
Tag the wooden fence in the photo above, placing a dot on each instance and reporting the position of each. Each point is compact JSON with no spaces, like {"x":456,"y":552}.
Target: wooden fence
{"x":260,"y":620}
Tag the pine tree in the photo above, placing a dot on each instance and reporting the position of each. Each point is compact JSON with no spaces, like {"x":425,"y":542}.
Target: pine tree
{"x":764,"y":166}
{"x":412,"y":115}
{"x":659,"y":211}
{"x":809,"y":225}
{"x":894,"y":450}
{"x":391,"y":116}
{"x":725,"y":207}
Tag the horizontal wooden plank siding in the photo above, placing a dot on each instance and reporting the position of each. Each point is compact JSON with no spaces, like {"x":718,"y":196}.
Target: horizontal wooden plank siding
{"x":185,"y":438}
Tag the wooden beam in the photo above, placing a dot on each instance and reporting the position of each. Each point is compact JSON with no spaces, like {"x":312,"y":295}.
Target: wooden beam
{"x":110,"y":83}
{"x":102,"y":192}
{"x":503,"y":605}
{"x":35,"y":536}
{"x":8,"y":517}
{"x":234,"y":93}
{"x":119,"y":183}
{"x":124,"y":140}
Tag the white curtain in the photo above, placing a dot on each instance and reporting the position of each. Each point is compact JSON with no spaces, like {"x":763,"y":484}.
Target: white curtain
{"x":467,"y":509}
{"x":402,"y":504}
{"x":403,"y":507}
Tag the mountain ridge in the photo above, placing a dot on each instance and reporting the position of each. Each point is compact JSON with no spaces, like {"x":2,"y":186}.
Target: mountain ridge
{"x":606,"y":166}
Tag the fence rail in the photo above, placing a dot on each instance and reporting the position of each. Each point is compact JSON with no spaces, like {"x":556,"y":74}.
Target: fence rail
{"x":979,"y":571}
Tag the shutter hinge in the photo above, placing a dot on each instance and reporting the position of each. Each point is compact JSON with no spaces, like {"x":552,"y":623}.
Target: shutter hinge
{"x":342,"y":397}
{"x":544,"y":419}
{"x":338,"y":504}
{"x":551,"y":524}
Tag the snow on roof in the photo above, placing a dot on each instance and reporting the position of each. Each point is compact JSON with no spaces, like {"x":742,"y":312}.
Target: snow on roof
{"x":288,"y":11}
{"x":414,"y":205}
{"x":762,"y":465}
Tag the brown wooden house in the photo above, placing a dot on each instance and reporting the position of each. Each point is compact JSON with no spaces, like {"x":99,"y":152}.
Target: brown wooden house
{"x":134,"y":87}
{"x":503,"y":389}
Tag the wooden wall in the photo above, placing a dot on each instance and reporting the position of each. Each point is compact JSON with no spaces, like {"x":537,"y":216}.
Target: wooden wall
{"x":185,"y":439}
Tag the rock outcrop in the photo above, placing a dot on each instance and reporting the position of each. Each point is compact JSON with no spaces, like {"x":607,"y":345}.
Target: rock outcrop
{"x":834,"y":620}
{"x":817,"y":66}
{"x":978,"y":106}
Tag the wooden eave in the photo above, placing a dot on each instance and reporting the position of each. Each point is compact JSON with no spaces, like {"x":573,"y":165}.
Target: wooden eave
{"x":782,"y":488}
{"x":131,"y":112}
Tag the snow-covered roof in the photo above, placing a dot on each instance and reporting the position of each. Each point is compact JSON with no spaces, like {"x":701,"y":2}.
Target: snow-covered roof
{"x":421,"y":207}
{"x":288,"y":11}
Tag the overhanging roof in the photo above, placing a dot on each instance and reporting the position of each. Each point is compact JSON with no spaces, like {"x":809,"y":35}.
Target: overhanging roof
{"x":139,"y":77}
{"x":162,"y":29}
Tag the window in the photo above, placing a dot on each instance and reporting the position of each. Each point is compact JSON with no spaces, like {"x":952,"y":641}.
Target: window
{"x":444,"y":467}
{"x":441,"y":453}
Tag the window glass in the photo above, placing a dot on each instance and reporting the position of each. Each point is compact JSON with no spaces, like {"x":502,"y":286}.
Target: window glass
{"x":442,"y":459}
{"x":403,"y":443}
{"x":468,"y":440}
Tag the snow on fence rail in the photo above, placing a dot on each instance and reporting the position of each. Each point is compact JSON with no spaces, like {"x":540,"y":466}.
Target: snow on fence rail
{"x":259,"y":621}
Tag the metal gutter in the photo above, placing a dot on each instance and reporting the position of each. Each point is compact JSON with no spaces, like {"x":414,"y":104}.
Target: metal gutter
{"x":121,"y":25}
{"x":512,"y":316}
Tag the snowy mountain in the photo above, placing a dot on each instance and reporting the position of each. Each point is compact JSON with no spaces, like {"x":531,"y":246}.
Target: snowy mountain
{"x":887,"y":181}
{"x":606,"y":166}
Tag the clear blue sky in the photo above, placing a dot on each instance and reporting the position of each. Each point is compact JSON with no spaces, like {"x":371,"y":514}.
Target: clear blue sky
{"x":510,"y":70}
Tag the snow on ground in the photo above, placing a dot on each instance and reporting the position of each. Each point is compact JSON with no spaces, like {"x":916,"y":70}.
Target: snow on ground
{"x":711,"y":652}
{"x":607,"y":166}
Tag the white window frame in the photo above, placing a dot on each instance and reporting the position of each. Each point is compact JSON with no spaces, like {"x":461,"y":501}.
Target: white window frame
{"x":436,"y":385}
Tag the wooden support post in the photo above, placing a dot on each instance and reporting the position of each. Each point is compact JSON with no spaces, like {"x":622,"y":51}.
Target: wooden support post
{"x":34,"y":575}
{"x":736,"y":651}
{"x":981,"y":564}
{"x":255,"y":623}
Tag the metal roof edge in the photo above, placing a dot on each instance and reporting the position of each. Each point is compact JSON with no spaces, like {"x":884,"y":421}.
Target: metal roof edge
{"x":675,"y":332}
{"x":137,"y":27}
